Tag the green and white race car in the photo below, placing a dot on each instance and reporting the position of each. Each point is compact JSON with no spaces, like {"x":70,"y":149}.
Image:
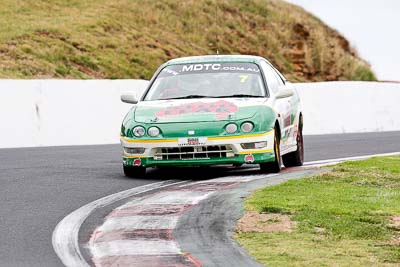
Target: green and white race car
{"x":211,"y":110}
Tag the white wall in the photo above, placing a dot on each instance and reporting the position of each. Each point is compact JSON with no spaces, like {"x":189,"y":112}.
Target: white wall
{"x":73,"y":112}
{"x":346,"y":107}
{"x":62,"y":112}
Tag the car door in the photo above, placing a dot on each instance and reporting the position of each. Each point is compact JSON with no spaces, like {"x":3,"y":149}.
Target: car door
{"x":291,"y":119}
{"x":283,"y":106}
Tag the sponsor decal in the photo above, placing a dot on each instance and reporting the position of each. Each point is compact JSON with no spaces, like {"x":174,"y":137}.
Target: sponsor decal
{"x":193,"y":141}
{"x":249,"y":158}
{"x":169,"y":71}
{"x":217,"y":67}
{"x":288,"y":120}
{"x":137,"y":162}
{"x":200,"y":67}
{"x":224,"y":67}
{"x":296,"y":129}
{"x":285,"y":109}
{"x":221,"y":108}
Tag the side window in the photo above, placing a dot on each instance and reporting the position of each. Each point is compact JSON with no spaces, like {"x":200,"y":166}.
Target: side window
{"x":273,"y":80}
{"x":280,"y":77}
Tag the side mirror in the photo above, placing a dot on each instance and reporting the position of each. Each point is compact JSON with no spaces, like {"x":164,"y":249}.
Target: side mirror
{"x":129,"y":98}
{"x":284,"y":92}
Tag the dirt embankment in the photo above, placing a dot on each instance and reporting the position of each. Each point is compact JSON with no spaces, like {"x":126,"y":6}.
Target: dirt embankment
{"x":130,"y":39}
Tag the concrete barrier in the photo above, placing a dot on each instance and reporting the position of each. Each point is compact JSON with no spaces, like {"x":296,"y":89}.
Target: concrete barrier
{"x":74,"y":112}
{"x":62,"y":112}
{"x":350,"y":107}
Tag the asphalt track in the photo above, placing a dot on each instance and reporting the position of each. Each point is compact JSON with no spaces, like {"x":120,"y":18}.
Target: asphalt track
{"x":39,"y":186}
{"x":206,"y":229}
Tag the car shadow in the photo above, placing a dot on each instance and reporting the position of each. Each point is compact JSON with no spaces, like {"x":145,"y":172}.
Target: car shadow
{"x":201,"y":173}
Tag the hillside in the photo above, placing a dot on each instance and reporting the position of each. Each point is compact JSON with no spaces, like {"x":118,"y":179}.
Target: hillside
{"x":131,"y":38}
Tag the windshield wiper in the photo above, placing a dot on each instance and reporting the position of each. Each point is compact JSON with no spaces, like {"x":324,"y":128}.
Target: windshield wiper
{"x":238,"y":95}
{"x":187,"y":97}
{"x":206,"y":96}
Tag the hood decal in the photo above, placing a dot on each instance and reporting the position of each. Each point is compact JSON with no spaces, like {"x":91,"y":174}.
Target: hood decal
{"x":221,"y":108}
{"x":196,"y":110}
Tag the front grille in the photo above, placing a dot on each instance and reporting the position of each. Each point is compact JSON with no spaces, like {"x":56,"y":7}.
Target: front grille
{"x":188,"y":153}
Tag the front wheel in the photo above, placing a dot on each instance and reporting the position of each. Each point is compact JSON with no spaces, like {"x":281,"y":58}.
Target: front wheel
{"x":296,"y":158}
{"x":134,"y":172}
{"x":274,"y":166}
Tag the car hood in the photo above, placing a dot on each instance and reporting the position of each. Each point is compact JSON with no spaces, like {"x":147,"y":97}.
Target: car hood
{"x":196,"y":110}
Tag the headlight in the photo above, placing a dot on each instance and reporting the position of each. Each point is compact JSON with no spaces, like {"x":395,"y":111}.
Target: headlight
{"x":247,"y":127}
{"x":231,"y":128}
{"x":139,"y":131}
{"x":153,"y":131}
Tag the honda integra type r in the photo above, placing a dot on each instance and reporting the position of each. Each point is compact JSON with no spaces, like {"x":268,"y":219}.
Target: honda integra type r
{"x":213,"y":110}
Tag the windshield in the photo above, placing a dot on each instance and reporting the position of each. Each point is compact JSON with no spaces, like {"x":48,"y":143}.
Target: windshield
{"x":207,"y":80}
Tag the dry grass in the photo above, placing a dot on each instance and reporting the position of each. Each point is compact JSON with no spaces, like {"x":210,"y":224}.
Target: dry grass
{"x":254,"y":221}
{"x":130,"y":38}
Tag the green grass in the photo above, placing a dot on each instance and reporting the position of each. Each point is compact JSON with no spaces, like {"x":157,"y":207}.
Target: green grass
{"x":342,"y":217}
{"x":131,"y":38}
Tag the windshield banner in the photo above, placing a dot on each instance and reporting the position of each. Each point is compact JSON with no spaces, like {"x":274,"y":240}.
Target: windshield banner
{"x":235,"y":67}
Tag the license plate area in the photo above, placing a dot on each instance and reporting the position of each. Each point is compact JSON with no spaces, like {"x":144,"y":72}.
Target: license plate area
{"x":192,"y":141}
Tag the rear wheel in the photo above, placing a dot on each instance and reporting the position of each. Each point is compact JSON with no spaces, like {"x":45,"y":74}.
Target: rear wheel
{"x":134,"y":172}
{"x":296,"y":158}
{"x":274,"y":166}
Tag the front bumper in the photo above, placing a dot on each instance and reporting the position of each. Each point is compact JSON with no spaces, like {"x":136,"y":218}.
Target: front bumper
{"x":238,"y":155}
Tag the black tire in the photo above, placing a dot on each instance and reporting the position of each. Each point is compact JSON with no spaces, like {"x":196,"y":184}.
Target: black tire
{"x":135,"y":172}
{"x":276,"y":165}
{"x":296,"y":158}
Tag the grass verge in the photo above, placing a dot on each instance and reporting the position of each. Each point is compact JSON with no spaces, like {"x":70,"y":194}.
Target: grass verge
{"x":348,"y":216}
